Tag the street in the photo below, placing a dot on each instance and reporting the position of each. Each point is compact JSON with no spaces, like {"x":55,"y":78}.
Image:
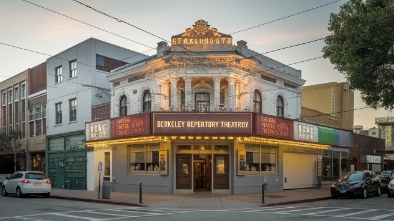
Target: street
{"x":51,"y":209}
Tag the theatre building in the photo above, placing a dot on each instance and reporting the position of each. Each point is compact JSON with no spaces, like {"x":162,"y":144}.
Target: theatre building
{"x":204,"y":115}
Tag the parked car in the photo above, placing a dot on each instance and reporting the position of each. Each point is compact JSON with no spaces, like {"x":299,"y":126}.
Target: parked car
{"x":388,"y":173}
{"x":357,"y":183}
{"x":24,"y":183}
{"x":390,"y":190}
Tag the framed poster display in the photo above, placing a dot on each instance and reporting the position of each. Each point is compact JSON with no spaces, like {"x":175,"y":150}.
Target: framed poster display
{"x":163,"y":162}
{"x":241,"y":162}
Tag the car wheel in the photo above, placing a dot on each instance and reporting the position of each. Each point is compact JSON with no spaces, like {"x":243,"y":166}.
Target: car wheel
{"x":19,"y":192}
{"x":45,"y":195}
{"x":364,"y":194}
{"x":378,"y":191}
{"x":4,"y":191}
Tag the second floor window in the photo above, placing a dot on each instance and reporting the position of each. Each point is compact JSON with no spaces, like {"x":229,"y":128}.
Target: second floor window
{"x":123,"y":106}
{"x":38,"y":113}
{"x":59,"y":74}
{"x":73,"y":110}
{"x":10,"y":96}
{"x":3,"y":98}
{"x":257,"y":102}
{"x":146,"y":102}
{"x":16,"y":93}
{"x":23,"y":91}
{"x":58,"y":107}
{"x":279,"y":107}
{"x":31,"y":115}
{"x":73,"y":69}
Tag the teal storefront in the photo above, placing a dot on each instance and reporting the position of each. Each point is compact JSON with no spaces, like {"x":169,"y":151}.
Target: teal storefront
{"x":67,"y":162}
{"x":335,"y":161}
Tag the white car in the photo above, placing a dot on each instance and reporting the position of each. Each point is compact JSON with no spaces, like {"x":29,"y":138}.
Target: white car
{"x":23,"y":183}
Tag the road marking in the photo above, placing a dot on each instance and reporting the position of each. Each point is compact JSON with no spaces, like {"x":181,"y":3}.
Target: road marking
{"x":381,"y":216}
{"x":326,"y":211}
{"x":298,"y":210}
{"x":356,"y":213}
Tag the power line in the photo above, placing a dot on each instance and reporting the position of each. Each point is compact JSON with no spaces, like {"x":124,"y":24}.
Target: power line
{"x":87,"y":24}
{"x":289,"y":16}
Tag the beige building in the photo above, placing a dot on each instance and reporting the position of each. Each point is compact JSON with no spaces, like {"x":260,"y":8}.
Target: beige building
{"x":331,"y":104}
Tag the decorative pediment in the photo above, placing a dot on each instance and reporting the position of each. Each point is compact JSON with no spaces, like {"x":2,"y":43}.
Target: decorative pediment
{"x":202,"y":35}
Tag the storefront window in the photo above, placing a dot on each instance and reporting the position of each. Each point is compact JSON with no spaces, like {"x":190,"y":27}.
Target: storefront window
{"x":252,"y":159}
{"x":152,"y":158}
{"x":56,"y":144}
{"x":268,"y":158}
{"x":261,"y":158}
{"x":144,"y":158}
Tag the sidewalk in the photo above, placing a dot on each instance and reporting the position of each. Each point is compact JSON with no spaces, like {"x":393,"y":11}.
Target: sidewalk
{"x":199,"y":200}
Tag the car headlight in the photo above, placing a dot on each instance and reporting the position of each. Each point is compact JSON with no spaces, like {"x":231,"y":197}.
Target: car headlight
{"x":391,"y":185}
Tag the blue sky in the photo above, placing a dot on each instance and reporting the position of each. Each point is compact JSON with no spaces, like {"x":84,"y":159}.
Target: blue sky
{"x":31,"y":27}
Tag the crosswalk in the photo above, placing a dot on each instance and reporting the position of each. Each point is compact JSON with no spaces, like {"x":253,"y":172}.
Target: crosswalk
{"x":129,"y":213}
{"x":92,"y":215}
{"x":334,"y":212}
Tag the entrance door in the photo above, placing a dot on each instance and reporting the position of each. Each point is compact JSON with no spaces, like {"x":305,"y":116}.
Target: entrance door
{"x":202,"y":172}
{"x":183,"y":171}
{"x":300,"y":176}
{"x":221,"y":171}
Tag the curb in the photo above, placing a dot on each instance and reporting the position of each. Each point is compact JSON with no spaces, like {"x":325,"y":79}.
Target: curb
{"x":104,"y":201}
{"x":294,"y":202}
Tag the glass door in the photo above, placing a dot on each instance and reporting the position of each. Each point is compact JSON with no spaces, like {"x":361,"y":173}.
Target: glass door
{"x":183,"y":171}
{"x":221,"y":171}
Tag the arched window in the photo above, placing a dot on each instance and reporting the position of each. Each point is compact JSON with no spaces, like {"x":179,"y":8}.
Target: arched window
{"x":123,"y":106}
{"x":279,"y":107}
{"x":257,"y":102}
{"x":146,"y":102}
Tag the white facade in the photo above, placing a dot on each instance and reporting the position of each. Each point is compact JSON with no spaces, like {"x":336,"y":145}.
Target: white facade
{"x":235,"y":75}
{"x":76,"y":79}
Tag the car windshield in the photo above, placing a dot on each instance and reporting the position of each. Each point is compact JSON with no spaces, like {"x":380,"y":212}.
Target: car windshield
{"x":36,"y":176}
{"x":352,"y":177}
{"x":386,"y":173}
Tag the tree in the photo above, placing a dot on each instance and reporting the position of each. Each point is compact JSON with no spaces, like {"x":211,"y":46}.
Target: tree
{"x":10,"y":144}
{"x":361,"y":46}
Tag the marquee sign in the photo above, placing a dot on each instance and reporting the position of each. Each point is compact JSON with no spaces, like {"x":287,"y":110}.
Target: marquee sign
{"x":274,"y":126}
{"x":97,"y":130}
{"x":202,"y":123}
{"x":130,"y":126}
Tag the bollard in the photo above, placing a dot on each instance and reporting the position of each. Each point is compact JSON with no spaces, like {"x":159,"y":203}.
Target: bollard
{"x":140,"y":192}
{"x":263,"y":187}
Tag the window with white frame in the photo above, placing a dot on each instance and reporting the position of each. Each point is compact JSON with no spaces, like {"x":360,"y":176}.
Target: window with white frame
{"x":31,"y":114}
{"x":44,"y":111}
{"x":38,"y":113}
{"x":58,"y":74}
{"x":9,"y":95}
{"x":23,"y":91}
{"x":58,"y":108}
{"x":73,"y":69}
{"x":73,"y":110}
{"x":144,"y":158}
{"x":16,"y":93}
{"x":123,"y":106}
{"x":3,"y":98}
{"x":261,"y":159}
{"x":257,"y":102}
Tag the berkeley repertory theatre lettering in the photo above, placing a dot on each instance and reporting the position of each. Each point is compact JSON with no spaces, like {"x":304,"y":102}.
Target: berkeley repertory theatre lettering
{"x":202,"y":124}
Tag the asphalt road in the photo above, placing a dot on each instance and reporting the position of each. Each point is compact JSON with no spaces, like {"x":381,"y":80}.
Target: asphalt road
{"x":41,"y":209}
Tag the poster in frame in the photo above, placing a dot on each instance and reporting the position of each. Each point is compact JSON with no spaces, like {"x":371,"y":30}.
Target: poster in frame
{"x":163,"y":162}
{"x":241,"y":162}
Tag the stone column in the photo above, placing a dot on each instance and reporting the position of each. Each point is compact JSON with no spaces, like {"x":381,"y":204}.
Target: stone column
{"x":174,"y":96}
{"x":216,"y":92}
{"x":188,"y":91}
{"x":231,"y":92}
